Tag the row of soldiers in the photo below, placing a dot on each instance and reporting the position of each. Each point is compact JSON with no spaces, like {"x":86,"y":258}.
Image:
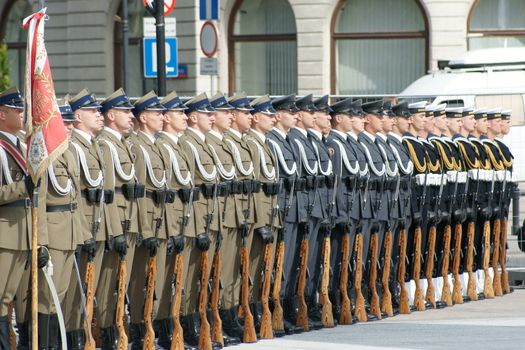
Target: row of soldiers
{"x":223,"y":220}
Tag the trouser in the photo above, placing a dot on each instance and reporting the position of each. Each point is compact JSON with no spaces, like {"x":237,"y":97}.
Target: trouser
{"x":257,"y":264}
{"x":107,"y":296}
{"x":13,"y":263}
{"x":192,"y":284}
{"x":230,"y":273}
{"x":138,"y":280}
{"x":291,"y":254}
{"x":314,"y":257}
{"x":72,"y":309}
{"x":336,"y":252}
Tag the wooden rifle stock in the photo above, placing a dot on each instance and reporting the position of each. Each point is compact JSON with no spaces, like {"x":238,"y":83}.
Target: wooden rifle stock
{"x":327,"y":317}
{"x":266,"y":331}
{"x":277,"y":315}
{"x":374,"y":298}
{"x":386,"y":302}
{"x":419,"y":302}
{"x":204,"y":332}
{"x":457,"y":294}
{"x":346,"y":313}
{"x":503,"y":257}
{"x":216,"y":332}
{"x":404,"y":301}
{"x":446,"y":297}
{"x":359,"y":310}
{"x":302,"y":313}
{"x":122,"y":342}
{"x":177,"y":340}
{"x":471,"y":285}
{"x":12,"y":334}
{"x":488,"y":291}
{"x":430,"y":295}
{"x":496,"y":282}
{"x":90,"y":298}
{"x":149,"y":337}
{"x":249,"y":326}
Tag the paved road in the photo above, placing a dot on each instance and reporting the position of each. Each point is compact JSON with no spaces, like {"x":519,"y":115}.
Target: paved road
{"x":488,"y":324}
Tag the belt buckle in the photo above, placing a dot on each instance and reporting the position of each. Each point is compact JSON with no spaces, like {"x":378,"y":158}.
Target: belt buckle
{"x":72,"y":207}
{"x":27,"y":203}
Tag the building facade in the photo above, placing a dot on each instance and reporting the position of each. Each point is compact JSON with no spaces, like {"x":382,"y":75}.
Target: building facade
{"x":340,"y":47}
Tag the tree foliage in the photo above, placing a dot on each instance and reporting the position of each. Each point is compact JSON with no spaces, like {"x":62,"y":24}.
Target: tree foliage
{"x":5,"y":69}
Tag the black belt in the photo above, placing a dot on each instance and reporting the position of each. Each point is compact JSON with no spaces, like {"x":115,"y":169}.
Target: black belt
{"x":61,"y":208}
{"x":26,"y":203}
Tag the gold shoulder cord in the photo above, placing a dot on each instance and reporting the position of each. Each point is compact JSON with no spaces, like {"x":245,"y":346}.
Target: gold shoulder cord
{"x":449,"y":164}
{"x":433,"y":167}
{"x":470,"y":163}
{"x":421,"y":168}
{"x":506,"y":163}
{"x":495,"y":164}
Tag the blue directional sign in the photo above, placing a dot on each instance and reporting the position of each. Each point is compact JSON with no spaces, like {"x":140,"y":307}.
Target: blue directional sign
{"x":149,"y":53}
{"x":209,"y":10}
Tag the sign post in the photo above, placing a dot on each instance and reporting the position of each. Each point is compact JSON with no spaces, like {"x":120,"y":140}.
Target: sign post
{"x":161,"y":48}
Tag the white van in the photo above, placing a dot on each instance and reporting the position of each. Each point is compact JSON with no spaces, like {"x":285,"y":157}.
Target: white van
{"x":482,"y":78}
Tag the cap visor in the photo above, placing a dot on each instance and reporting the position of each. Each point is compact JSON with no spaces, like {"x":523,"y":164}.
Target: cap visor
{"x":206,"y":109}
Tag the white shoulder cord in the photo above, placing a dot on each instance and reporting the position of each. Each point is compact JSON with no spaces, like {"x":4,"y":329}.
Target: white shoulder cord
{"x":5,"y":167}
{"x":205,"y":175}
{"x":405,"y":170}
{"x":311,"y":171}
{"x":116,"y":163}
{"x":345,"y":160}
{"x":371,"y":162}
{"x":226,"y":175}
{"x":175,"y":167}
{"x":328,"y":168}
{"x":83,"y":162}
{"x":156,"y":182}
{"x":59,"y":189}
{"x":389,"y":172}
{"x":270,"y":175}
{"x":279,"y":155}
{"x":238,"y":160}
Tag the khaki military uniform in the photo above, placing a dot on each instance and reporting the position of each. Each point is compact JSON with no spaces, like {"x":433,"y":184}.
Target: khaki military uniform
{"x":123,"y":210}
{"x":174,"y":216}
{"x":201,"y":207}
{"x":150,"y":212}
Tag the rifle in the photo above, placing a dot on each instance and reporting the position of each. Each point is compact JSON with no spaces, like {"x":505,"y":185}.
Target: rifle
{"x":177,"y":340}
{"x":122,"y":343}
{"x":12,"y":334}
{"x":430,"y":296}
{"x":404,"y":302}
{"x":471,"y":285}
{"x":503,"y":249}
{"x":216,"y":333}
{"x":418,"y":295}
{"x":488,"y":290}
{"x":90,"y":298}
{"x":359,"y":309}
{"x":496,"y":282}
{"x":205,"y":341}
{"x":327,"y":317}
{"x":374,"y":298}
{"x":386,"y":302}
{"x":249,"y":335}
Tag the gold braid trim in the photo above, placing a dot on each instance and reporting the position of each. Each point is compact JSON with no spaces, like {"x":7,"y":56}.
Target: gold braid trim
{"x":471,"y":165}
{"x":433,"y":167}
{"x":421,"y":168}
{"x":506,"y":163}
{"x":495,"y":164}
{"x":448,"y":163}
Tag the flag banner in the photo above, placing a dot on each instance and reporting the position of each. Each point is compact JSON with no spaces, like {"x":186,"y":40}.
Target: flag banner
{"x":46,"y":135}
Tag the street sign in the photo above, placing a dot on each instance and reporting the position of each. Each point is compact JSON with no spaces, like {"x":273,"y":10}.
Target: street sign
{"x":149,"y":52}
{"x":169,"y":5}
{"x":209,"y":66}
{"x":209,"y":9}
{"x":170,"y":25}
{"x":209,"y":39}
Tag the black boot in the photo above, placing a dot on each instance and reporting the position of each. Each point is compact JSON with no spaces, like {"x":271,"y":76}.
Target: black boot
{"x":314,"y":314}
{"x":43,"y":331}
{"x":256,"y":309}
{"x":53,"y":333}
{"x":109,"y":338}
{"x":190,"y":327}
{"x":23,"y":336}
{"x":163,"y":331}
{"x":289,"y":315}
{"x":137,"y":332}
{"x":76,"y":339}
{"x":231,"y":334}
{"x":4,"y":333}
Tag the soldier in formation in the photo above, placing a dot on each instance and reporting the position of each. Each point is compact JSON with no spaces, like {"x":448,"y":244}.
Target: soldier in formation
{"x":209,"y":222}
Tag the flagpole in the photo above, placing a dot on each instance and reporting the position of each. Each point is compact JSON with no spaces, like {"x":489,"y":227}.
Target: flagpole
{"x":34,"y":270}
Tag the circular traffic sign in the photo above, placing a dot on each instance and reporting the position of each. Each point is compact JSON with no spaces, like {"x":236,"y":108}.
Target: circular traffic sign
{"x":209,"y":39}
{"x":169,"y":5}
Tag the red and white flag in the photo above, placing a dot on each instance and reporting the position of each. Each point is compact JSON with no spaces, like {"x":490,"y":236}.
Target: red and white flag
{"x":46,"y":135}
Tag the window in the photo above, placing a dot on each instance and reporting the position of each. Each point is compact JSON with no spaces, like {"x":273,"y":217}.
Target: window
{"x":11,"y":31}
{"x":262,"y":47}
{"x":138,"y":85}
{"x":378,"y":47}
{"x":496,"y":23}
